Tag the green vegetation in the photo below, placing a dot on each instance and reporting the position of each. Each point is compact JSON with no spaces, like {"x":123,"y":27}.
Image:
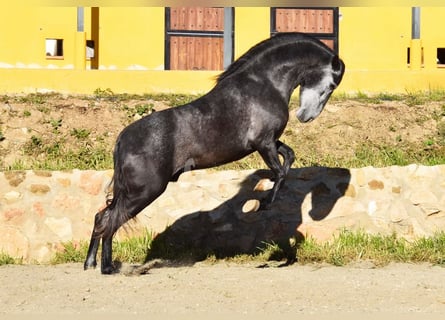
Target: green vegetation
{"x":172,"y":99}
{"x":410,"y":98}
{"x":7,"y":259}
{"x":349,"y":247}
{"x":346,"y":248}
{"x":132,"y":250}
{"x":58,"y":151}
{"x":80,"y":133}
{"x":55,"y":154}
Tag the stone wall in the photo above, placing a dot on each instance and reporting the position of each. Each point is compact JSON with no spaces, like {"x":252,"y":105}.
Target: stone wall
{"x":217,"y":210}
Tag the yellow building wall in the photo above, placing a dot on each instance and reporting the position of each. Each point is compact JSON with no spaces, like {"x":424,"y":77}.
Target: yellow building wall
{"x":132,"y":38}
{"x":375,"y":38}
{"x":251,"y":26}
{"x":373,"y":42}
{"x":431,"y":33}
{"x":23,"y":32}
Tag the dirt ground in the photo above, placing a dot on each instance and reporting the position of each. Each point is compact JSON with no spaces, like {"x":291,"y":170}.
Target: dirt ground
{"x":227,"y":289}
{"x":27,"y":123}
{"x":221,"y":288}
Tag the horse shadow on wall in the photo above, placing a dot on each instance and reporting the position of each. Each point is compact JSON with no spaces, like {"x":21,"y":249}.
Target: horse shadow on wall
{"x":227,"y":231}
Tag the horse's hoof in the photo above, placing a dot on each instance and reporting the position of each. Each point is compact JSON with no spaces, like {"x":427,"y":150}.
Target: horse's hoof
{"x":107,"y":270}
{"x":89,"y":265}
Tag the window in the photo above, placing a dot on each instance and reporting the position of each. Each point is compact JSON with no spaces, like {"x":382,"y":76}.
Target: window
{"x":440,"y":58}
{"x":90,"y":49}
{"x":54,"y":48}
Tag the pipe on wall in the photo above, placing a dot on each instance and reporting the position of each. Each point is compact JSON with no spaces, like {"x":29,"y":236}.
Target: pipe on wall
{"x":416,"y":54}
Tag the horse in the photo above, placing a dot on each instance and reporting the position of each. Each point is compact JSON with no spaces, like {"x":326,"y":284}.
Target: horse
{"x":246,"y":111}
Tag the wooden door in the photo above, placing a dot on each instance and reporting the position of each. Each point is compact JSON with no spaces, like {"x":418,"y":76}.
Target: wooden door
{"x":321,"y":23}
{"x":194,"y":38}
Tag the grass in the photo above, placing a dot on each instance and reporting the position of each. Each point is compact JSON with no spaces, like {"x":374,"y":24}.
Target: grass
{"x":87,"y":151}
{"x":172,"y":99}
{"x":43,"y":153}
{"x":7,"y":259}
{"x":350,"y":247}
{"x":366,"y":154}
{"x":411,"y":98}
{"x":79,"y":148}
{"x":131,"y":250}
{"x":345,"y":248}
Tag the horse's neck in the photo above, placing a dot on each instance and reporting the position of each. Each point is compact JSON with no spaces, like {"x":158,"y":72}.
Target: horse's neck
{"x":285,"y":77}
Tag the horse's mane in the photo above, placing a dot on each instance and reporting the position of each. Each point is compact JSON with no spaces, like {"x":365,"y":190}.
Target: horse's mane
{"x":258,"y":50}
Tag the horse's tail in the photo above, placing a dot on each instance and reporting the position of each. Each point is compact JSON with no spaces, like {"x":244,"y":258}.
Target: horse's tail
{"x":115,"y":213}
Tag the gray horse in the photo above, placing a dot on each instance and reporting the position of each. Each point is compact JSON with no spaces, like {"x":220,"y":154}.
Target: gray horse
{"x":246,"y":111}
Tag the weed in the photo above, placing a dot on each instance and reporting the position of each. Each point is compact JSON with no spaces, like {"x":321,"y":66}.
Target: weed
{"x":71,"y":252}
{"x":144,"y":109}
{"x":7,"y":259}
{"x":26,"y":113}
{"x":35,"y":142}
{"x":44,"y":109}
{"x":56,"y":124}
{"x":133,"y":249}
{"x":103,"y":93}
{"x":33,"y":98}
{"x":80,"y":134}
{"x":428,"y":142}
{"x":139,"y":110}
{"x":389,"y":97}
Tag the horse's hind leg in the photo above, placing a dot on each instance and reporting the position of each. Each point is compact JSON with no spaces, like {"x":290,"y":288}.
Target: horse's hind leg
{"x":106,"y":265}
{"x":90,"y":261}
{"x":104,"y":230}
{"x":269,"y":153}
{"x":132,"y":204}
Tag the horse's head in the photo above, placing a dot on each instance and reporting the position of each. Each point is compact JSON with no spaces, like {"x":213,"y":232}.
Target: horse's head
{"x":316,"y":88}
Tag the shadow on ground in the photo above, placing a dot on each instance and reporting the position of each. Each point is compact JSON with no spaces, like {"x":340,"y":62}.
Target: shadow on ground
{"x":227,"y":231}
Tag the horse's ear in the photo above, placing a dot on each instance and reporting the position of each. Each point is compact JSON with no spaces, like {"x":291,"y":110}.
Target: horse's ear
{"x":336,"y":65}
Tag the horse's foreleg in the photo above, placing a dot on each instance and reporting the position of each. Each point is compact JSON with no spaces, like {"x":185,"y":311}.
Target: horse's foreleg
{"x":288,"y":155}
{"x":269,"y":153}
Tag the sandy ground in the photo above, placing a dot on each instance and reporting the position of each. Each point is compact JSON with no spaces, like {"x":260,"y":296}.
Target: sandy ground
{"x":225,"y":289}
